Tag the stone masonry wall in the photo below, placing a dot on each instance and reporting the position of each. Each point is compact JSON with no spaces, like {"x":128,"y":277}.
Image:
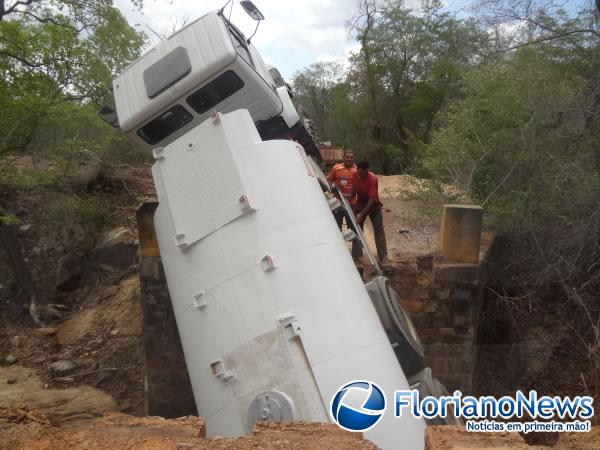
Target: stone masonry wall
{"x":443,"y":301}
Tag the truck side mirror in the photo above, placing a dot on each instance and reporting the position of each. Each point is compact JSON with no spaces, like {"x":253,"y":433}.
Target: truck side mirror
{"x":252,"y":10}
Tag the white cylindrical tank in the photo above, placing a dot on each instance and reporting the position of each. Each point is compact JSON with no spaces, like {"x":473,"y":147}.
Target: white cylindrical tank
{"x":272,"y":314}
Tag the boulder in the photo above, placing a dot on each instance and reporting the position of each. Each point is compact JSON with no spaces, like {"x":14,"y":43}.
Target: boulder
{"x":59,"y":405}
{"x":116,"y":249}
{"x":70,"y":272}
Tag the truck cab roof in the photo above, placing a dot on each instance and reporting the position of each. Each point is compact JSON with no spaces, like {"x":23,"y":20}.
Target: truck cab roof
{"x":175,"y":86}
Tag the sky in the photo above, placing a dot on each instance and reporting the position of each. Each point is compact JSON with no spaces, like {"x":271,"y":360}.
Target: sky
{"x":293,"y":35}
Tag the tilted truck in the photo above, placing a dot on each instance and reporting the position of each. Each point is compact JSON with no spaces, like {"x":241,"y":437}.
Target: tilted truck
{"x":206,"y":66}
{"x":272,"y":314}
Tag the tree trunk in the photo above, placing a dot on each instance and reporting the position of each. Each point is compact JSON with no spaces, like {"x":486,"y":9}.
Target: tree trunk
{"x":369,"y":10}
{"x":17,"y":265}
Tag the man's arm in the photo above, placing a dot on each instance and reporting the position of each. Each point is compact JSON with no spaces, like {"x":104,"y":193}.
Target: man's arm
{"x":362,"y":215}
{"x":331,"y":175}
{"x":360,"y":218}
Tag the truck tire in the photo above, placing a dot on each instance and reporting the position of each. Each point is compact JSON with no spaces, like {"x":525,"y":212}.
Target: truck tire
{"x":397,"y":325}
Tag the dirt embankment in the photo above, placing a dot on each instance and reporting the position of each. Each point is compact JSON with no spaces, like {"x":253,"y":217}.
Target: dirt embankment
{"x":455,"y":438}
{"x":92,"y":340}
{"x":62,"y":385}
{"x":24,"y":429}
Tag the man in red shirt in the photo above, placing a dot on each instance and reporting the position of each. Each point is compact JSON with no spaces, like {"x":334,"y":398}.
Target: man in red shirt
{"x":365,"y":186}
{"x":342,"y":175}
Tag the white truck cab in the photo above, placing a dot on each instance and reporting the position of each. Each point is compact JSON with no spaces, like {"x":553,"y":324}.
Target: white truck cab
{"x":207,"y":66}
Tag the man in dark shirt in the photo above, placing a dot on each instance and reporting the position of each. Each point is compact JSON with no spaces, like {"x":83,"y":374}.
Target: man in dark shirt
{"x":368,"y":204}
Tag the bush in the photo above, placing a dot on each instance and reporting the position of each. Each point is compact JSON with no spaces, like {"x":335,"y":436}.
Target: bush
{"x":27,"y":180}
{"x":92,"y":213}
{"x":518,"y":143}
{"x":9,"y":219}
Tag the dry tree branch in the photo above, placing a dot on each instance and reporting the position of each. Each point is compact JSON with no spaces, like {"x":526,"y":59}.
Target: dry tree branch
{"x":12,"y":9}
{"x":548,"y":38}
{"x":52,"y":21}
{"x":105,"y":369}
{"x":160,"y":36}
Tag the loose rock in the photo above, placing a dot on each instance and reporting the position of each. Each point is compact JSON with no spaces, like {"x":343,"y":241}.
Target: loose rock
{"x":67,"y":379}
{"x":47,"y":331}
{"x":125,"y":405}
{"x":11,"y":359}
{"x":70,"y":270}
{"x":116,"y":249}
{"x":62,"y":367}
{"x":110,"y":291}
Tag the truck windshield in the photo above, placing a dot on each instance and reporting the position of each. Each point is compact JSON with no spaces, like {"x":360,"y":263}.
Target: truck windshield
{"x":215,"y":92}
{"x":165,"y":124}
{"x":239,"y":42}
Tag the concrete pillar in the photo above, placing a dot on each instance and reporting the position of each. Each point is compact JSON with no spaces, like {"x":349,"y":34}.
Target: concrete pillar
{"x":168,"y":388}
{"x":460,"y":233}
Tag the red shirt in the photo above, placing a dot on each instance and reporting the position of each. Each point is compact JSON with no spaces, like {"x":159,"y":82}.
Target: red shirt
{"x":366,"y":189}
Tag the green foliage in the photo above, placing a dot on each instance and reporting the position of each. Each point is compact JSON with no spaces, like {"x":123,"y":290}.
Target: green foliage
{"x":315,"y":89}
{"x":93,"y":213}
{"x":9,"y":219}
{"x":57,"y":62}
{"x":395,"y":158}
{"x":27,"y":180}
{"x":57,"y":71}
{"x":109,"y":50}
{"x":520,"y":141}
{"x":69,"y":129}
{"x":386,"y":104}
{"x":343,"y":123}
